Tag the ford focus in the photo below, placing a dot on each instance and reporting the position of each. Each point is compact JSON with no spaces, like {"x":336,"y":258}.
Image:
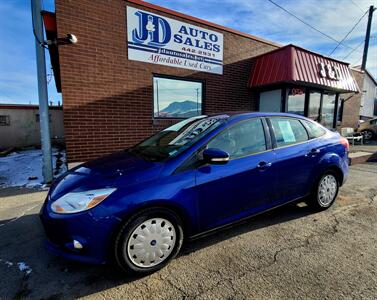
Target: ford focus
{"x":137,"y":206}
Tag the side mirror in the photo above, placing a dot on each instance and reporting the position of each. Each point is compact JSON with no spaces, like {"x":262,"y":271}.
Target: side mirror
{"x":215,"y":156}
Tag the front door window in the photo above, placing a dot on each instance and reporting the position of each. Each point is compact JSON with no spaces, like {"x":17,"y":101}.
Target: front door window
{"x":243,"y":139}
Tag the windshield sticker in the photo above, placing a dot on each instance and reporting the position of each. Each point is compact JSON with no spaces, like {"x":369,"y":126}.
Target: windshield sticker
{"x":193,"y":131}
{"x":286,"y":131}
{"x":172,"y":153}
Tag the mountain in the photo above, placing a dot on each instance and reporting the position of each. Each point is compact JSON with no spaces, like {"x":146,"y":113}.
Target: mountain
{"x":180,"y":109}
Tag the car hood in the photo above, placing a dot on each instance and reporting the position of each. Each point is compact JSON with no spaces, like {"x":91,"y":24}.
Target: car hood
{"x":116,"y":170}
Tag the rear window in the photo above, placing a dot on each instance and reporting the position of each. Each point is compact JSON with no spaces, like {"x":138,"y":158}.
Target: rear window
{"x":288,"y":131}
{"x":314,"y":129}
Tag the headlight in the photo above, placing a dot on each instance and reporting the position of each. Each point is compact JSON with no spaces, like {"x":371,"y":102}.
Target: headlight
{"x":79,"y":201}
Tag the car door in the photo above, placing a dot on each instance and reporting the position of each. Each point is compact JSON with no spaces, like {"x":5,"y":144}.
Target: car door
{"x":296,"y":158}
{"x":242,"y":186}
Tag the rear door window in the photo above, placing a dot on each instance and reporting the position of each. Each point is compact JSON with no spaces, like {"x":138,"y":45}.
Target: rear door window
{"x":288,"y":131}
{"x":242,"y":139}
{"x":315,"y":130}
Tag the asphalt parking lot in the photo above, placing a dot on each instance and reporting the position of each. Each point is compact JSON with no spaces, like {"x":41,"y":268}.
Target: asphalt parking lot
{"x":287,"y":253}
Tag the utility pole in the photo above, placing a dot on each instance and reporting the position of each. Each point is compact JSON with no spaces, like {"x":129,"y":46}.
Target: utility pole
{"x":367,"y":37}
{"x":197,"y":101}
{"x":42,"y":91}
{"x":158,"y":103}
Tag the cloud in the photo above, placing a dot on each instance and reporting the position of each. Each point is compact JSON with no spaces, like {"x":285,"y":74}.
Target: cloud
{"x":18,"y":80}
{"x":263,"y":19}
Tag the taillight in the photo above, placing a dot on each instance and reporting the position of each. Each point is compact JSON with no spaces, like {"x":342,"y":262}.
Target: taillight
{"x":345,"y":143}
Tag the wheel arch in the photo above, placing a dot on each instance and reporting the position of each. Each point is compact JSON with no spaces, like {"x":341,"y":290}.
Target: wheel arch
{"x":337,"y":172}
{"x":180,"y":212}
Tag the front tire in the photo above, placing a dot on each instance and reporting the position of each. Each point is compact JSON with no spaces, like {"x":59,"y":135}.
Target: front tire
{"x":325,"y":192}
{"x":149,"y":241}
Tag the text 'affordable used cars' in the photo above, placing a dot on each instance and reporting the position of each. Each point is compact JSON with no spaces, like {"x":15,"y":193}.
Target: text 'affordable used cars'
{"x":138,"y":205}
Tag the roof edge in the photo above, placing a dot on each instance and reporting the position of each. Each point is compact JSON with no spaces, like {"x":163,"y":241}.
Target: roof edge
{"x":197,"y":20}
{"x":365,"y":71}
{"x":27,"y":106}
{"x":301,"y":48}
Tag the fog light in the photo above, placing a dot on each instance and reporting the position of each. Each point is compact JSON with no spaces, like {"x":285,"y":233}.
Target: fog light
{"x":77,"y":245}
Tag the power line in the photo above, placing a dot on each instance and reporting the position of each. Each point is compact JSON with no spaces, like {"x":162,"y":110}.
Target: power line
{"x":356,"y":5}
{"x":349,"y":32}
{"x":357,"y":61}
{"x":352,"y":51}
{"x":307,"y":24}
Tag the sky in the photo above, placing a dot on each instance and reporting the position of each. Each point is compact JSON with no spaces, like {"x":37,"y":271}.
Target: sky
{"x":18,"y":80}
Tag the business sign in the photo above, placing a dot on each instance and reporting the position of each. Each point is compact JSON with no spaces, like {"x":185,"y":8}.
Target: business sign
{"x":164,"y":41}
{"x":329,"y":71}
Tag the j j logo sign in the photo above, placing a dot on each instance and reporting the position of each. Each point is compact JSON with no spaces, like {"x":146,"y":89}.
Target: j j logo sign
{"x":329,"y":71}
{"x":153,"y":30}
{"x":161,"y":40}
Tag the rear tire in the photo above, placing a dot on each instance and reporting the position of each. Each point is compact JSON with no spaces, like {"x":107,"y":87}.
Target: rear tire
{"x":325,"y":191}
{"x":148,"y":241}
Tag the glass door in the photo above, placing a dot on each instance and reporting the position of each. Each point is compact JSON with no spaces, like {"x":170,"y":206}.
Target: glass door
{"x":328,"y":109}
{"x":296,"y":101}
{"x":314,"y":107}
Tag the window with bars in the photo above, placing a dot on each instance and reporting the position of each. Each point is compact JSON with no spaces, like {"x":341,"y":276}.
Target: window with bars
{"x":4,"y":121}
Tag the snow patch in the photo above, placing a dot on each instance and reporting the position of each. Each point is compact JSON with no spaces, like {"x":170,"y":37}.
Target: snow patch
{"x":24,"y":268}
{"x":7,"y":263}
{"x":19,"y":168}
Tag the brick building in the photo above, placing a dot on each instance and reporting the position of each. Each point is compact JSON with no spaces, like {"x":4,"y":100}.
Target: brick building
{"x":138,"y":68}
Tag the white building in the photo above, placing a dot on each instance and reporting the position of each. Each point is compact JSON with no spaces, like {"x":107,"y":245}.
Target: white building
{"x":368,"y":105}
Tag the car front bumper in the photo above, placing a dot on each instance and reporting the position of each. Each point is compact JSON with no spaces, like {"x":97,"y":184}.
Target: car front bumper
{"x":93,"y":234}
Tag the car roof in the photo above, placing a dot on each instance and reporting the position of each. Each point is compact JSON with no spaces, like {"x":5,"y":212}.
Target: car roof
{"x":248,"y":114}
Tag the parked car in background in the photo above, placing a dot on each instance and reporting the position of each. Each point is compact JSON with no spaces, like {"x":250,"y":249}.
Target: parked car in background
{"x":206,"y":172}
{"x":368,"y":129}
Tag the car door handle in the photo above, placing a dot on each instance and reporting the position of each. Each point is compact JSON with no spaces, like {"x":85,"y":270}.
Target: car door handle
{"x":264,"y":165}
{"x":313,"y":152}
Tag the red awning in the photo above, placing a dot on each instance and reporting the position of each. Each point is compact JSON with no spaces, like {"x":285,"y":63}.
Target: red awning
{"x":292,"y":64}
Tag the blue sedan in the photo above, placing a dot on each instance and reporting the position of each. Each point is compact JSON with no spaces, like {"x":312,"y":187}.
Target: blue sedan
{"x":139,"y":205}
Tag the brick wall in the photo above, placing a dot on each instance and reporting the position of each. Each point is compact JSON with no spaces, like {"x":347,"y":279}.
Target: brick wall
{"x":108,"y":100}
{"x":351,"y":109}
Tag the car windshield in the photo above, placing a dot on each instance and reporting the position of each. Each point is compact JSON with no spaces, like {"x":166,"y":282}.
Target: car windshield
{"x":177,"y":138}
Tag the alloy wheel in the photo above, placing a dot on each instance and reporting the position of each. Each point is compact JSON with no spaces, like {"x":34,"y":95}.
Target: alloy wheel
{"x":367,"y":134}
{"x":327,"y":190}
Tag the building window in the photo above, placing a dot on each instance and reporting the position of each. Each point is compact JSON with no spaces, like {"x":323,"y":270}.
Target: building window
{"x":176,"y":98}
{"x":4,"y":121}
{"x":314,"y":106}
{"x":296,"y":101}
{"x":328,"y":109}
{"x":270,"y":101}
